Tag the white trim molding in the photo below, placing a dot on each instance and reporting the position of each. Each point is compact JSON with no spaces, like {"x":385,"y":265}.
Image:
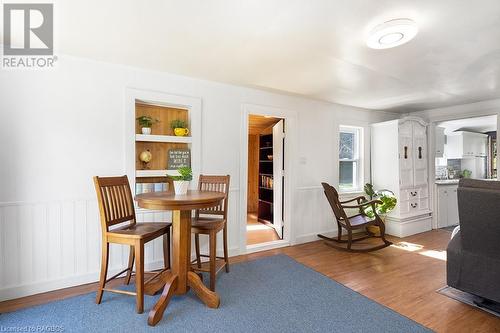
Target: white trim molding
{"x":289,"y":184}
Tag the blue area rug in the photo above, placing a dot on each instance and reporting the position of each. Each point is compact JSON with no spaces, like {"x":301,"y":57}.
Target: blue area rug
{"x":274,"y":294}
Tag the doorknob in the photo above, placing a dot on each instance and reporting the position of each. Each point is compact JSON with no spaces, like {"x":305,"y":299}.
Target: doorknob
{"x":420,"y":152}
{"x":406,"y":152}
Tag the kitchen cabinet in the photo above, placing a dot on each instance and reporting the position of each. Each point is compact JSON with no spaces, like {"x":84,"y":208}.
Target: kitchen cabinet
{"x":440,"y":138}
{"x":462,"y":144}
{"x":447,"y":205}
{"x":399,"y":161}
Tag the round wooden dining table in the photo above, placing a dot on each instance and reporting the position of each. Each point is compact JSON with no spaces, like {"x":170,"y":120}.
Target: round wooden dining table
{"x":180,"y":277}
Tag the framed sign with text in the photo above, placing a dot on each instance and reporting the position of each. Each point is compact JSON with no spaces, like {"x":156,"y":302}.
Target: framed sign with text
{"x":178,"y":158}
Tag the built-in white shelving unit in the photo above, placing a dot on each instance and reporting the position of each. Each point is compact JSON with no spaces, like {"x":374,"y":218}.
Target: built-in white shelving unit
{"x":155,"y":173}
{"x":163,"y":138}
{"x":164,"y":108}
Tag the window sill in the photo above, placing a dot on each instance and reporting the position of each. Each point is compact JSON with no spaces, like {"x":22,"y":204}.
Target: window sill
{"x":353,"y":192}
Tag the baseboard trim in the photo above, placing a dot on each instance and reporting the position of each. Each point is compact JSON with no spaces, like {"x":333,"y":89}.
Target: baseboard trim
{"x":311,"y":237}
{"x":407,"y":227}
{"x":28,"y":289}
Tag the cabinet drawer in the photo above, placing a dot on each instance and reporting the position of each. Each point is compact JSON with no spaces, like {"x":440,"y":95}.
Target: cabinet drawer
{"x":418,"y":205}
{"x":413,"y":206}
{"x":413,"y":194}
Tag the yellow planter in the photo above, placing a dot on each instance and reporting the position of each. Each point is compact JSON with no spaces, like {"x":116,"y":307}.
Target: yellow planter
{"x":374,"y":230}
{"x":181,"y":131}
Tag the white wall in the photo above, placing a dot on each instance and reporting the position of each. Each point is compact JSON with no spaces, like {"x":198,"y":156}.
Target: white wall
{"x":60,"y":127}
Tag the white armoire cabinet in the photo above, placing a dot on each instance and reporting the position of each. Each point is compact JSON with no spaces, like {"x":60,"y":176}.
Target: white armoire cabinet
{"x":399,"y":162}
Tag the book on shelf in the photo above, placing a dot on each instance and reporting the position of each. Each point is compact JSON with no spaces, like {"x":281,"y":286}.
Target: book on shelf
{"x":266,"y":181}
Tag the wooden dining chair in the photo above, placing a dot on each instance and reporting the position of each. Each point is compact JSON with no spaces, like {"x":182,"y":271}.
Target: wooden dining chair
{"x":210,"y":221}
{"x":354,"y":222}
{"x":116,"y":209}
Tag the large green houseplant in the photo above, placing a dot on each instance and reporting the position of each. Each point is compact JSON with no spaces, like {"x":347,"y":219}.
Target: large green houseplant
{"x":388,"y":203}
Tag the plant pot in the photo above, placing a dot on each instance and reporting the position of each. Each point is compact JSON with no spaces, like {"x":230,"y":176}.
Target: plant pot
{"x":374,"y":230}
{"x":179,"y":131}
{"x":181,"y":187}
{"x":146,"y":130}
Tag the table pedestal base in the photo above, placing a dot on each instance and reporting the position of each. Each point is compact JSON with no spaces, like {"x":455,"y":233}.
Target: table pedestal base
{"x":181,"y":278}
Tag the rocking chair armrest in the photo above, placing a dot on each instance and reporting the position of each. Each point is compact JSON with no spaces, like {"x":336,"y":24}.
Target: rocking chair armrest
{"x":353,"y":199}
{"x":363,"y":204}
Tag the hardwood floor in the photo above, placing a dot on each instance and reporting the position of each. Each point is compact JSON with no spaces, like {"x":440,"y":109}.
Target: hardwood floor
{"x":403,"y":277}
{"x":258,"y":232}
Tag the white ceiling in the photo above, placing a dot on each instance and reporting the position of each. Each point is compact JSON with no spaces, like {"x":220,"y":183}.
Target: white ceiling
{"x":314,"y":48}
{"x":476,"y":124}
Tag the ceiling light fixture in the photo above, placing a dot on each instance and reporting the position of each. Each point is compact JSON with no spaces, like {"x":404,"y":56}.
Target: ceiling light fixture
{"x":392,"y":33}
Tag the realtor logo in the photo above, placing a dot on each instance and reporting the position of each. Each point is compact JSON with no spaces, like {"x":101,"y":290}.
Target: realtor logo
{"x":28,"y":34}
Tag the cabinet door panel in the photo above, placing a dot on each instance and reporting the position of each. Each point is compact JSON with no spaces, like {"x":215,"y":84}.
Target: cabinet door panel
{"x":406,"y":154}
{"x":423,"y":204}
{"x":442,"y":207}
{"x":439,"y":141}
{"x":404,"y":207}
{"x":420,"y":154}
{"x":452,"y":206}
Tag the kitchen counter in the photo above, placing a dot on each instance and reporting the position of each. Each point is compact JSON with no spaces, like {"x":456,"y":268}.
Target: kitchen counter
{"x":446,"y":181}
{"x":454,"y":181}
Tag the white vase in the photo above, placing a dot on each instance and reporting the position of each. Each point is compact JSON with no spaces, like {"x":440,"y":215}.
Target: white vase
{"x":181,"y":187}
{"x":146,"y":130}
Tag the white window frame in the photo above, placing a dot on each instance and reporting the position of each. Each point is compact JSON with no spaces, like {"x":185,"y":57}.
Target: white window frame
{"x":358,"y":167}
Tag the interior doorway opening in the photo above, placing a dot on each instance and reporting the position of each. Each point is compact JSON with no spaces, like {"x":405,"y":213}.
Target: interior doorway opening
{"x":265,"y":188}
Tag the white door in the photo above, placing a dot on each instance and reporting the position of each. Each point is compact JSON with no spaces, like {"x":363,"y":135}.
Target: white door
{"x":419,"y":154}
{"x":405,"y":155}
{"x":278,"y":163}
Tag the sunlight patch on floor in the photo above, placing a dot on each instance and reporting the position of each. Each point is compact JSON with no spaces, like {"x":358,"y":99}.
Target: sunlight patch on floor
{"x":408,"y":246}
{"x":251,"y":227}
{"x":419,"y":249}
{"x":441,"y":255}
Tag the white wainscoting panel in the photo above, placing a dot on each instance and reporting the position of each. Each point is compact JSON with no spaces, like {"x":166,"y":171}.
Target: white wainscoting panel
{"x":52,"y":245}
{"x":314,"y":214}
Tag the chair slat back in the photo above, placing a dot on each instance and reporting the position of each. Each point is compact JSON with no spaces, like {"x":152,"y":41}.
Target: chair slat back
{"x":214,"y":184}
{"x":333,"y":198}
{"x":115,"y":201}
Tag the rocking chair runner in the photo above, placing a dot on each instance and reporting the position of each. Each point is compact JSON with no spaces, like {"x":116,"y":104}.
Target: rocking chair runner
{"x":358,"y":221}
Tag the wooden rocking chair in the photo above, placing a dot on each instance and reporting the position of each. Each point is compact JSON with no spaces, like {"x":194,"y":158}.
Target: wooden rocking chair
{"x":358,"y":221}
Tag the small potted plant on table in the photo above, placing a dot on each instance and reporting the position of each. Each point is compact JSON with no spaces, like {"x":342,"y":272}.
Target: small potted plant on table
{"x":146,"y":122}
{"x":181,"y":182}
{"x":179,"y":127}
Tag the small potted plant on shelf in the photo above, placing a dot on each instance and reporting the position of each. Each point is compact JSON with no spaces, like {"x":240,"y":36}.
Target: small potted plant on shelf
{"x":179,"y":127}
{"x":181,"y":182}
{"x":146,"y":122}
{"x":388,"y":200}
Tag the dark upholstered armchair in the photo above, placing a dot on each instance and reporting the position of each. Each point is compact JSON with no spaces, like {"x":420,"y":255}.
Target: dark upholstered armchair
{"x":473,"y":263}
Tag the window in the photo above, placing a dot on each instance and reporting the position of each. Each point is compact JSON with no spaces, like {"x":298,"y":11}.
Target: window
{"x":350,"y":151}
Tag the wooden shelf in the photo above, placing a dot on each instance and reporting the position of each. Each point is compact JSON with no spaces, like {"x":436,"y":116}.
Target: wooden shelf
{"x":265,"y":201}
{"x":265,"y":188}
{"x":271,"y":147}
{"x":163,"y":138}
{"x":266,"y":220}
{"x":266,"y":174}
{"x":155,"y":173}
{"x":268,"y":161}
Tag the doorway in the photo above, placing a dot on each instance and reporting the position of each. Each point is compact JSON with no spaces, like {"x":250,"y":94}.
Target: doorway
{"x":265,"y":181}
{"x":463,"y":148}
